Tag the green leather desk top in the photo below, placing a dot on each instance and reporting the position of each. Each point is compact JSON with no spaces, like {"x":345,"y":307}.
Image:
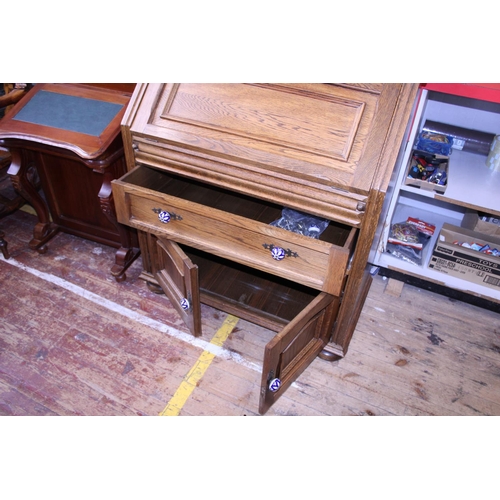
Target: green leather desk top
{"x":75,"y":117}
{"x":67,"y":112}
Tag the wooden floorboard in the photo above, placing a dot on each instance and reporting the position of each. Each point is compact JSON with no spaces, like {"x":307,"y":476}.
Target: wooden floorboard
{"x":73,"y":341}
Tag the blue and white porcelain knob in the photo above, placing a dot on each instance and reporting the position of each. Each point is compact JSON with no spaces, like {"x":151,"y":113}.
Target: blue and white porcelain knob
{"x":275,"y":384}
{"x":164,"y":216}
{"x":185,"y":304}
{"x":278,"y":253}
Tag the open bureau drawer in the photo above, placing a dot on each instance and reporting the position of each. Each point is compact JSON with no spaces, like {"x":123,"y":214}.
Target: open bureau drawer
{"x":232,"y":226}
{"x":210,"y":167}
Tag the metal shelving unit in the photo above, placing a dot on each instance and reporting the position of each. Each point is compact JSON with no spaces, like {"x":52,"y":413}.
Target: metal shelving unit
{"x":471,"y":184}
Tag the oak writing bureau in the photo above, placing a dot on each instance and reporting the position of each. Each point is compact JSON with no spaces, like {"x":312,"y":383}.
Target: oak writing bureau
{"x":211,"y":166}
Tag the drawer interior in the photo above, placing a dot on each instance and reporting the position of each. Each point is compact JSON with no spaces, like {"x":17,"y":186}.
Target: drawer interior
{"x":221,"y":199}
{"x":256,"y":296}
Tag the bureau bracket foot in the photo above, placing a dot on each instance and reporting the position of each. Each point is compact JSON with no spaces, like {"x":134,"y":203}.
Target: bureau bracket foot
{"x":328,"y":355}
{"x":154,"y":287}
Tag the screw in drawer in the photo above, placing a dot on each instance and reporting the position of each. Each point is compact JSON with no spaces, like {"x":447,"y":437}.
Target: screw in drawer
{"x":361,"y":206}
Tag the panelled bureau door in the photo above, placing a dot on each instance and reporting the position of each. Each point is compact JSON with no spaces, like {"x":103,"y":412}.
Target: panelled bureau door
{"x":293,"y":349}
{"x":178,"y":277}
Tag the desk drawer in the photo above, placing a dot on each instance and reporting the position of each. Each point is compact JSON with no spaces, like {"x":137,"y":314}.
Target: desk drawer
{"x":231,"y":226}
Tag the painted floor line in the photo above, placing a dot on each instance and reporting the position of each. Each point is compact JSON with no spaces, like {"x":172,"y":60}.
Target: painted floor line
{"x":216,"y":350}
{"x":193,"y":377}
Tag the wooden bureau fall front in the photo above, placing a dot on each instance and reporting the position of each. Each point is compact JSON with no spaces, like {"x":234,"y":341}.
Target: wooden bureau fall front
{"x":211,"y":166}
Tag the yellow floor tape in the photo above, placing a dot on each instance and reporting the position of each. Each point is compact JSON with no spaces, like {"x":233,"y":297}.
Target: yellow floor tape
{"x":191,"y":380}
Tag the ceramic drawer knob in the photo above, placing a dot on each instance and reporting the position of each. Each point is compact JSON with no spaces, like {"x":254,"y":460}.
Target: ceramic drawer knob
{"x":279,"y":253}
{"x":185,"y":304}
{"x":166,"y":217}
{"x":274,"y":385}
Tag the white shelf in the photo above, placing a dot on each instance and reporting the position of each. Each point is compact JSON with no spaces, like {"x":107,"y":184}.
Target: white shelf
{"x":388,"y":261}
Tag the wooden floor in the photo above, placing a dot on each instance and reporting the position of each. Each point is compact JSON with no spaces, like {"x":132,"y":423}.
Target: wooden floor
{"x":75,"y":342}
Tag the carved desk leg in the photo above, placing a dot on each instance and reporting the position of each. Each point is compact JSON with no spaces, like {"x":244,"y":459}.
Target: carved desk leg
{"x":127,"y":253}
{"x":24,"y":176}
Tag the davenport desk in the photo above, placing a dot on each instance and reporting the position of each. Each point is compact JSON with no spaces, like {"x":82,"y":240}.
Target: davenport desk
{"x":68,"y":135}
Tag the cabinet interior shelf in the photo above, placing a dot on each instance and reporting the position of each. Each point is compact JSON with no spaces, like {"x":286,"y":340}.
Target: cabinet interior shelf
{"x":253,"y":295}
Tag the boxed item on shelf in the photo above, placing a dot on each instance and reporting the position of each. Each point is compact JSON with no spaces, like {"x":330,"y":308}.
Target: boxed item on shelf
{"x":482,"y":224}
{"x":472,"y":141}
{"x":433,"y":142}
{"x":427,"y":171}
{"x":469,"y":262}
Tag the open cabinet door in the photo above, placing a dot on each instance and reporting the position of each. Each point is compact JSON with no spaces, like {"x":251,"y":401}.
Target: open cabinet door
{"x":293,"y":349}
{"x":178,"y":277}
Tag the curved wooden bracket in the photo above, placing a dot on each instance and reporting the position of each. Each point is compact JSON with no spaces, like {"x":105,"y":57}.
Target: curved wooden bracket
{"x":24,"y":176}
{"x":127,"y":253}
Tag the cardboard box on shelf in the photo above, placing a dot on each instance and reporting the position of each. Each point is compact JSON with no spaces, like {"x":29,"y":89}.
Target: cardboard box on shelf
{"x":472,"y":221}
{"x":465,"y":263}
{"x":427,"y":171}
